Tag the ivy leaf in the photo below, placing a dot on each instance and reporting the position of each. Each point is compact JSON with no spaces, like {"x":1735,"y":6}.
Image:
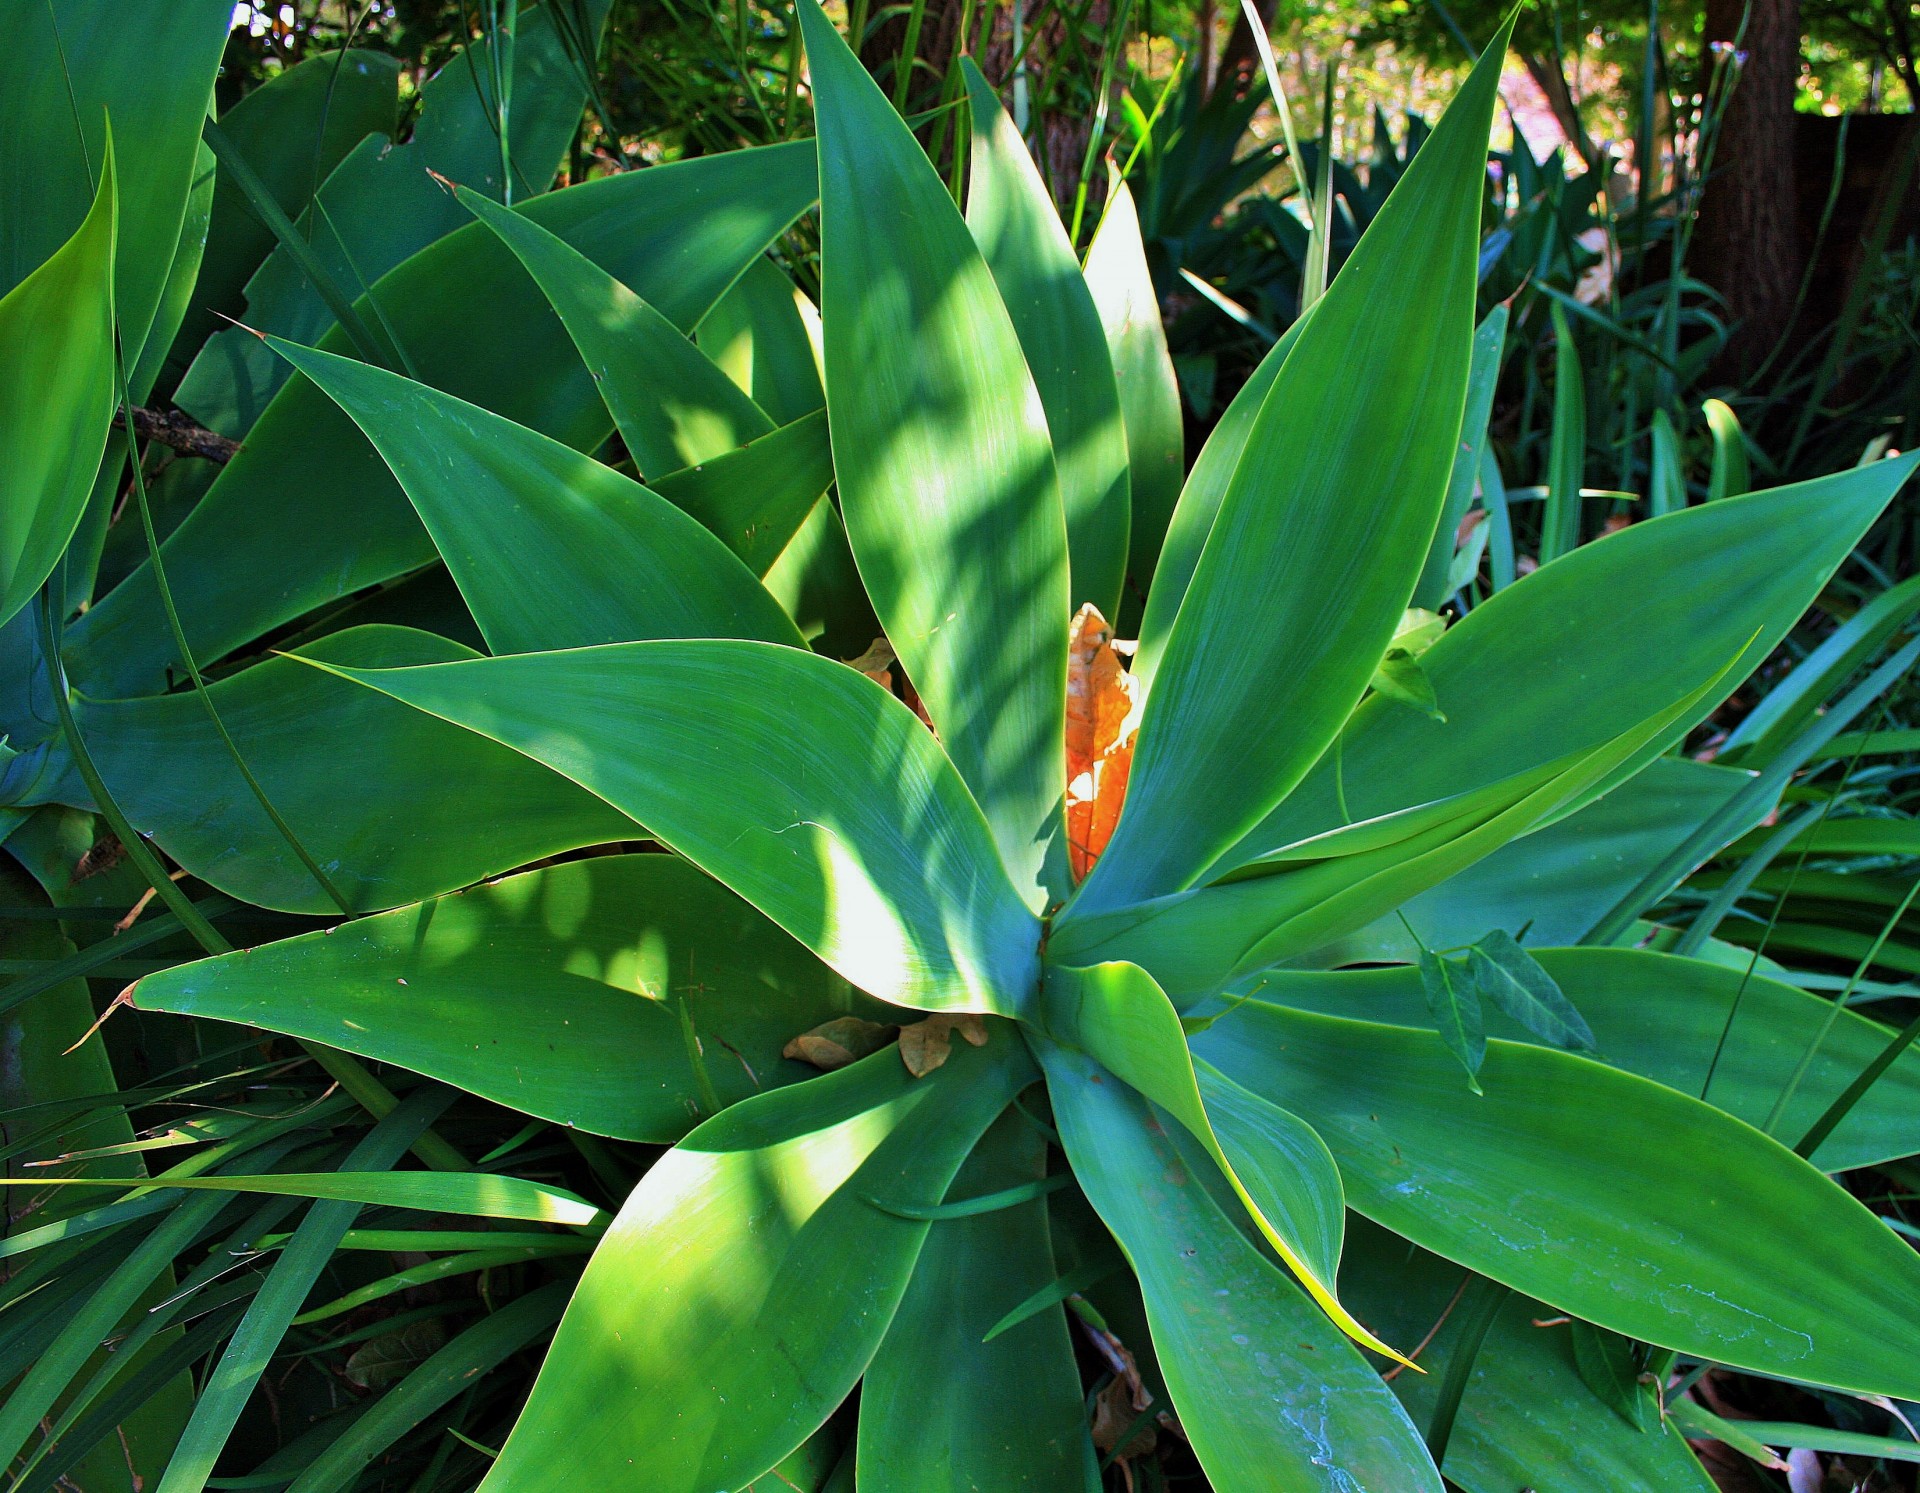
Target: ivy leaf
{"x":1455,"y":1004}
{"x":1519,"y":986}
{"x":1400,"y":675}
{"x":1610,"y":1367}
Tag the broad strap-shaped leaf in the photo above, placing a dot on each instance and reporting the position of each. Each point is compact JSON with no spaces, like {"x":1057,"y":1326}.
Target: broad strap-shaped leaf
{"x":68,"y":65}
{"x":382,"y":204}
{"x":56,"y":395}
{"x":940,"y":1407}
{"x":946,"y":473}
{"x":1014,"y":220}
{"x":1117,"y":1015}
{"x":1273,"y":1399}
{"x":765,"y":334}
{"x":627,"y":995}
{"x":1282,"y":1164}
{"x":672,"y":406}
{"x":1629,"y":1204}
{"x":1664,"y":1017}
{"x":250,"y":556}
{"x":757,"y":497}
{"x":397,"y":807}
{"x":476,"y":1194}
{"x":1199,"y":504}
{"x":1556,"y":882}
{"x":1122,"y":288}
{"x":1601,"y":637}
{"x":1322,"y":531}
{"x":292,"y":130}
{"x":798,"y":782}
{"x":1196,"y":941}
{"x":751,"y":1277}
{"x":550,"y":548}
{"x":1527,"y":1420}
{"x":1483,"y":376}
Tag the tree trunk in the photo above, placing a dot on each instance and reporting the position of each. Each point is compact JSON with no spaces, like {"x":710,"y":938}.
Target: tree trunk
{"x":1240,"y":60}
{"x":1747,"y":245}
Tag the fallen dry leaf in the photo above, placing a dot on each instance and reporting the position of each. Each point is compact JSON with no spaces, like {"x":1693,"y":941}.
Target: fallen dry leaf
{"x":1103,"y":717}
{"x":1113,"y":1412}
{"x":925,"y":1045}
{"x":834,"y":1044}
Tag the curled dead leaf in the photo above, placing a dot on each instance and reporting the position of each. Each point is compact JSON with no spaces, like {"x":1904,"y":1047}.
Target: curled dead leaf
{"x":835,"y":1044}
{"x":1103,"y":717}
{"x":1115,"y":1414}
{"x":926,"y":1045}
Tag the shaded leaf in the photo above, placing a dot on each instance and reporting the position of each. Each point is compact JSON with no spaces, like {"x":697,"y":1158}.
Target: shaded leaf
{"x":1514,"y":981}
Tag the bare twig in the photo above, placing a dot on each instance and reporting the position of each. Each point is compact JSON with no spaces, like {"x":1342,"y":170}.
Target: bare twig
{"x":172,"y":428}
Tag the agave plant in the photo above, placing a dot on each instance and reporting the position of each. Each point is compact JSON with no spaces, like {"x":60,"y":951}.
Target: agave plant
{"x":1064,"y":932}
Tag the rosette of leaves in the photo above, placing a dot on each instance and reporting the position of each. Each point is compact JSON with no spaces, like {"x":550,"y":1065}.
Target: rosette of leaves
{"x":996,"y":424}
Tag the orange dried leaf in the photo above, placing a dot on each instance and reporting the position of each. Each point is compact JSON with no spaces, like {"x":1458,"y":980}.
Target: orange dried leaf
{"x":1103,"y":715}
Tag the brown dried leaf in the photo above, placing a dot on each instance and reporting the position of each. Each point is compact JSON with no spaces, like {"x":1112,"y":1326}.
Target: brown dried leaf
{"x":1103,"y":716}
{"x":1113,"y":1412}
{"x":925,"y":1045}
{"x":834,"y":1044}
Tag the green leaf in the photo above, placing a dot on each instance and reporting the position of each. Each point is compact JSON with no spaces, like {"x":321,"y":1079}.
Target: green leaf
{"x":747,"y":1282}
{"x":1791,"y":705}
{"x":56,"y":395}
{"x":249,"y":557}
{"x":891,"y":878}
{"x":1614,"y":1199}
{"x":758,"y":497}
{"x":1728,"y":477}
{"x":941,"y":1407}
{"x":1489,"y":342}
{"x":1559,"y":880}
{"x":385,"y":766}
{"x":1567,"y":445}
{"x":1528,"y":1420}
{"x":1614,"y":633}
{"x":1304,"y":898}
{"x":1284,"y":1165}
{"x":615,"y":994}
{"x":1664,"y":1018}
{"x":1606,"y":1363}
{"x":672,"y":406}
{"x":480,"y":1194}
{"x":226,"y":1389}
{"x":293,"y":130}
{"x":550,"y":548}
{"x":1267,"y":1391}
{"x":66,"y":65}
{"x":946,"y":474}
{"x":766,"y":335}
{"x":1667,"y":472}
{"x":381,"y":205}
{"x":1199,"y":504}
{"x":1122,"y":289}
{"x":1513,"y":981}
{"x":433,"y":1384}
{"x":1399,"y":676}
{"x":1453,"y":1001}
{"x":1116,"y":1015}
{"x":1347,"y":460}
{"x":1018,"y":228}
